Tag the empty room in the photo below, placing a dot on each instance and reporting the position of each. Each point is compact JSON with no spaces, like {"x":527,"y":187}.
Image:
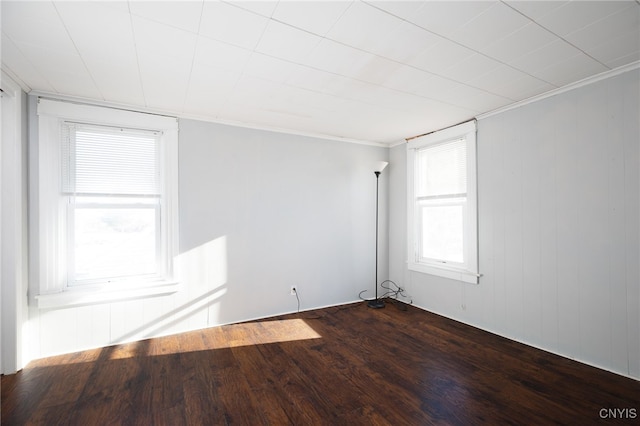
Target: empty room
{"x":320,"y":212}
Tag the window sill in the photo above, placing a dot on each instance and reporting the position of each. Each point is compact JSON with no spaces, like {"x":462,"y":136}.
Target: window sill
{"x":91,"y":296}
{"x":451,"y":273}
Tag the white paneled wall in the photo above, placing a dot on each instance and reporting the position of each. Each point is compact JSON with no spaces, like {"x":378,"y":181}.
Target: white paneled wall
{"x":558,"y":189}
{"x":259,"y":211}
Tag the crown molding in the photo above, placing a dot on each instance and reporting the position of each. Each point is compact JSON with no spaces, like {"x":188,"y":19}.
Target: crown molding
{"x":584,"y":82}
{"x":134,"y":108}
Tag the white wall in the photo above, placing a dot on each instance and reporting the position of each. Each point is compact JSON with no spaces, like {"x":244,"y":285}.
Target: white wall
{"x":259,"y":211}
{"x":290,"y":211}
{"x":13,"y":227}
{"x":558,"y":188}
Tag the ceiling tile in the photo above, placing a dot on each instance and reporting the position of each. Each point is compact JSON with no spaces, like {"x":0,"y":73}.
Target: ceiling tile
{"x":407,"y":79}
{"x":475,"y":99}
{"x":401,"y":9}
{"x":435,"y":117}
{"x":118,"y":81}
{"x":184,"y":15}
{"x":318,"y":80}
{"x":362,"y":25}
{"x":535,"y":9}
{"x":37,"y":24}
{"x":374,"y":70}
{"x":269,"y":68}
{"x":253,"y":90}
{"x":51,"y":60}
{"x":618,"y":51}
{"x":212,"y":82}
{"x":524,"y":40}
{"x":379,"y":95}
{"x":442,"y":56}
{"x":407,"y":102}
{"x":97,"y":29}
{"x":575,"y":15}
{"x":355,"y":90}
{"x":163,"y":40}
{"x":570,"y":69}
{"x":507,"y":82}
{"x":436,"y":88}
{"x":444,"y":18}
{"x":72,"y":83}
{"x":231,"y":24}
{"x":164,"y":80}
{"x":541,"y":58}
{"x":523,"y":88}
{"x":403,"y":43}
{"x":216,"y":54}
{"x":286,"y":42}
{"x":472,"y":67}
{"x":261,"y":7}
{"x":610,"y":27}
{"x":335,"y":57}
{"x":316,"y":17}
{"x":490,"y":25}
{"x":208,"y":90}
{"x":121,"y":5}
{"x":623,"y":60}
{"x":21,"y":67}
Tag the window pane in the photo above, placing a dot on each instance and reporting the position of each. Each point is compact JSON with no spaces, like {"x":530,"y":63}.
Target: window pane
{"x":114,"y":242}
{"x":442,"y":233}
{"x":442,"y":169}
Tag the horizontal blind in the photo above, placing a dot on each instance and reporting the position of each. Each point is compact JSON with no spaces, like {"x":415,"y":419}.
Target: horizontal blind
{"x":442,"y":170}
{"x":106,"y":160}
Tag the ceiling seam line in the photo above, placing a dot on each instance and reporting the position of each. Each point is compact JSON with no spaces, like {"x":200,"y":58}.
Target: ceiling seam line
{"x":557,"y":35}
{"x":461,"y":45}
{"x":387,"y":58}
{"x":4,"y":34}
{"x":360,"y":81}
{"x":193,"y":58}
{"x":66,"y":30}
{"x":135,"y":45}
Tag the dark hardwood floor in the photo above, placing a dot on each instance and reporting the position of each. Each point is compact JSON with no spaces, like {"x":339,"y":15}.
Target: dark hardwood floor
{"x":346,"y":365}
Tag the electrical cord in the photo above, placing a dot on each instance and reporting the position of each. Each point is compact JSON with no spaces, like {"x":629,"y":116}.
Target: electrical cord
{"x":392,"y":294}
{"x":297,"y":298}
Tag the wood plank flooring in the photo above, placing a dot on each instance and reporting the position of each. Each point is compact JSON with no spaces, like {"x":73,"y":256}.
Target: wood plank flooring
{"x":348,"y":365}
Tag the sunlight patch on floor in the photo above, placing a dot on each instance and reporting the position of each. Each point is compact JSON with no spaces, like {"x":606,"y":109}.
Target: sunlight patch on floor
{"x":221,"y":337}
{"x":260,"y":333}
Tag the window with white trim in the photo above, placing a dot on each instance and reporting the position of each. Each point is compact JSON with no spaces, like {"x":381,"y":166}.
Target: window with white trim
{"x":111,"y":190}
{"x":106,"y":214}
{"x":442,"y":203}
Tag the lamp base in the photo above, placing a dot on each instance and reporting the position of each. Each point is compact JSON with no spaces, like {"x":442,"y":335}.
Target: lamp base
{"x":376,"y":303}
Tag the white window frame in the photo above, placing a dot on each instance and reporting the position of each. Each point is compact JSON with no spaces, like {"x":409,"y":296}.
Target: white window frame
{"x":48,"y":222}
{"x":467,"y":271}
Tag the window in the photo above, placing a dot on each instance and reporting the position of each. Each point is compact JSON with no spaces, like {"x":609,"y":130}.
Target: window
{"x":442,"y":210}
{"x":106,"y":206}
{"x":111,"y":190}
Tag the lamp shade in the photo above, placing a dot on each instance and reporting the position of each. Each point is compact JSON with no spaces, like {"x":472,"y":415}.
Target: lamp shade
{"x":380,"y":165}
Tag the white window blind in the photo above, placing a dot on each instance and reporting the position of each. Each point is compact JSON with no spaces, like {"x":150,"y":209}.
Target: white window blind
{"x":113,"y":161}
{"x":442,"y":170}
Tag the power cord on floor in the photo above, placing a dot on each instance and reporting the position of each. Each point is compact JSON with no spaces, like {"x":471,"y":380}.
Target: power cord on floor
{"x":392,"y":294}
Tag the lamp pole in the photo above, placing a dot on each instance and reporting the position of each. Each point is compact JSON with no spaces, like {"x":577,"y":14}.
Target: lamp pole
{"x":377,"y":303}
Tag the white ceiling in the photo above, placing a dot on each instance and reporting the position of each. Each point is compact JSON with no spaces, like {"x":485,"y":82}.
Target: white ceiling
{"x":375,"y":71}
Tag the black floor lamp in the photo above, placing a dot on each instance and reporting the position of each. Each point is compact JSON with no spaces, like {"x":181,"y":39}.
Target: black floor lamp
{"x":377,"y":303}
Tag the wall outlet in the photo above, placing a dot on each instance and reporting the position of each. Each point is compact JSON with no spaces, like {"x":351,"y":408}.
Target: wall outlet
{"x":294,"y":290}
